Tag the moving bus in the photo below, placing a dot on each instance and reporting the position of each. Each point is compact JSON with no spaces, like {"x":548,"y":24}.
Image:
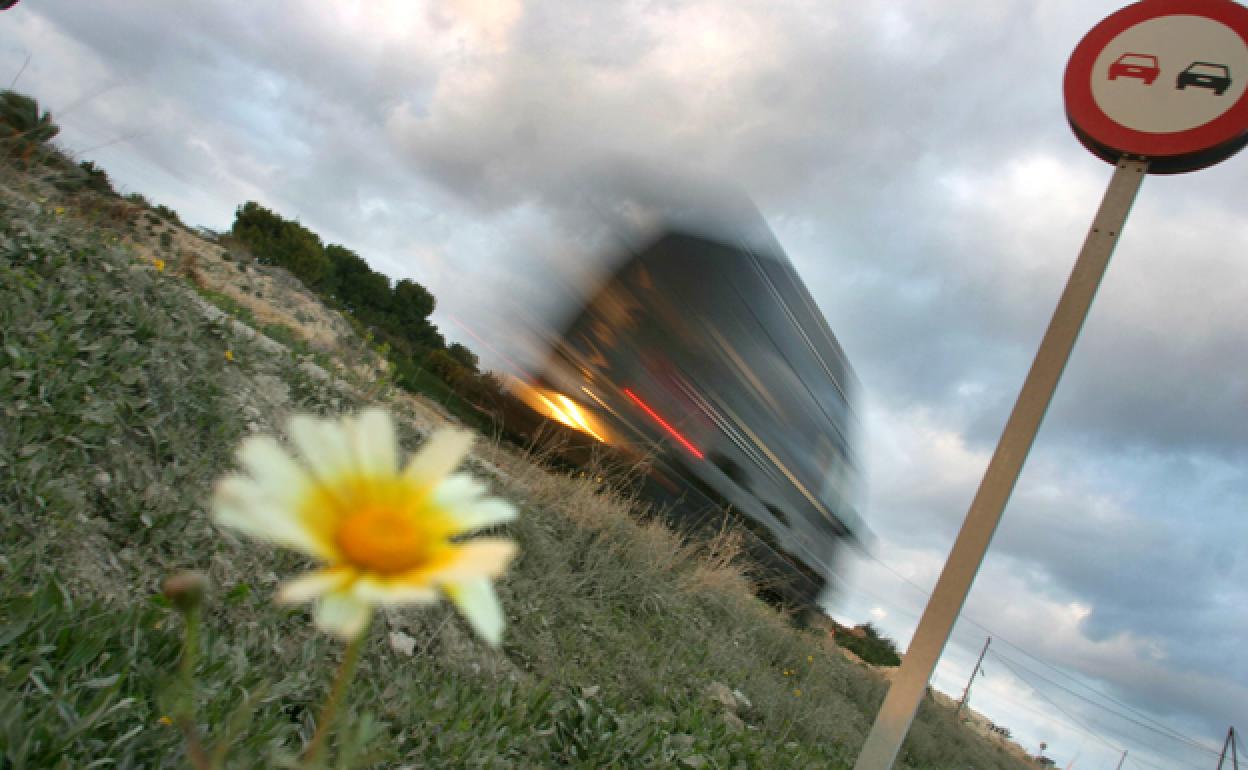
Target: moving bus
{"x":710,"y":358}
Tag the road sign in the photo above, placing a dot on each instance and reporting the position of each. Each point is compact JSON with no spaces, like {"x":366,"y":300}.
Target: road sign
{"x":1159,"y":86}
{"x":1163,"y":80}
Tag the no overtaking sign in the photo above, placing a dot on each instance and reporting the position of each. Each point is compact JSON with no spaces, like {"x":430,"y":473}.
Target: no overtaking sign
{"x":1160,"y":86}
{"x":1165,"y":80}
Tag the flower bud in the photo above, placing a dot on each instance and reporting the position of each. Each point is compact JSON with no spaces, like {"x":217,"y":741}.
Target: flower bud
{"x":185,"y":589}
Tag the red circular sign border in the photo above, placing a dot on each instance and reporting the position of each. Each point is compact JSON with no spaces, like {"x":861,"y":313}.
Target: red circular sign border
{"x":1094,"y":126}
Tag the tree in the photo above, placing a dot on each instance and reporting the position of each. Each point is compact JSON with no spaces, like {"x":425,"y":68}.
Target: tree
{"x":277,"y":241}
{"x":412,"y":305}
{"x":865,"y":642}
{"x":363,"y":291}
{"x":447,"y":368}
{"x":22,"y":127}
{"x":464,"y":356}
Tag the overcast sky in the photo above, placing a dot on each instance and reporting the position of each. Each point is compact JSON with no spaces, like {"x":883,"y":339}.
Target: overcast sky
{"x":913,"y":159}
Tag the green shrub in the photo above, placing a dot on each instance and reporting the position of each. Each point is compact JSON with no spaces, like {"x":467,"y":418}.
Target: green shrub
{"x":96,"y":179}
{"x":23,"y":129}
{"x":168,"y":214}
{"x":865,"y":642}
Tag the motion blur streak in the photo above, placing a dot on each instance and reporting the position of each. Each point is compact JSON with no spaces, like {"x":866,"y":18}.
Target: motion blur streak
{"x":560,"y":408}
{"x":693,"y":450}
{"x":704,"y":355}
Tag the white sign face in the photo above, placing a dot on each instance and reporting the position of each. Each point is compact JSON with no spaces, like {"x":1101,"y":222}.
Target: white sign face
{"x":1170,"y":73}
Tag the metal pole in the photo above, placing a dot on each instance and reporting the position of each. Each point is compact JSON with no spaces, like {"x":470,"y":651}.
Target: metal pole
{"x":893,"y":722}
{"x":967,"y":692}
{"x":1229,"y":743}
{"x":1121,"y":759}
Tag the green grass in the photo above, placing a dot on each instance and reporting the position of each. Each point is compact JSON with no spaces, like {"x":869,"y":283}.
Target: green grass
{"x":228,"y":304}
{"x":119,"y":411}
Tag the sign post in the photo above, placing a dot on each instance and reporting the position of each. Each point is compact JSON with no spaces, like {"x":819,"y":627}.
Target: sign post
{"x":1158,"y":87}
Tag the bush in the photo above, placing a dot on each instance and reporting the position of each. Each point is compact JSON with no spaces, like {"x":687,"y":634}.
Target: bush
{"x":865,"y":642}
{"x":276,"y":241}
{"x":22,"y":128}
{"x":96,"y":179}
{"x":168,"y":214}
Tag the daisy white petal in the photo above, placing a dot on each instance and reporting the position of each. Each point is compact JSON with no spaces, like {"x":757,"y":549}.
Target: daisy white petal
{"x":373,"y":443}
{"x":323,"y":445}
{"x":477,"y":602}
{"x":476,"y":558}
{"x":240,"y":503}
{"x":484,"y":513}
{"x":273,"y":469}
{"x":342,"y":614}
{"x":440,"y":455}
{"x":313,"y":585}
{"x":458,"y":490}
{"x":392,"y":592}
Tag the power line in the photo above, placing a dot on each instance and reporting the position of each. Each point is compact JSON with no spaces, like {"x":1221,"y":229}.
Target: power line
{"x":1155,"y":726}
{"x":1137,"y":761}
{"x":1073,"y":724}
{"x":1159,"y":726}
{"x":1068,"y":715}
{"x":1112,"y":730}
{"x":1055,"y":705}
{"x":1067,"y":690}
{"x":1076,"y":723}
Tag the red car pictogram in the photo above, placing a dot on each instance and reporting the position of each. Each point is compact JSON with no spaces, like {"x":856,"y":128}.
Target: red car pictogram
{"x":1135,"y":65}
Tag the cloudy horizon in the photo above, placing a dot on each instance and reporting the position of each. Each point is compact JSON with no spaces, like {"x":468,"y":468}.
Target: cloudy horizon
{"x":914,"y":161}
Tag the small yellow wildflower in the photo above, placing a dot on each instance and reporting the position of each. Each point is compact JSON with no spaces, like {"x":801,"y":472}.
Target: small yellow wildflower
{"x":788,"y":672}
{"x":386,"y":536}
{"x":166,"y":720}
{"x":797,"y":693}
{"x":159,"y":264}
{"x":810,"y":658}
{"x":59,"y":210}
{"x":229,"y":355}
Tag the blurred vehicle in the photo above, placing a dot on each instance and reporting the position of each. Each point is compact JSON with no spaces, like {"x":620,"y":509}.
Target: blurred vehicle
{"x":1135,"y":65}
{"x":1216,"y":77}
{"x":710,"y":360}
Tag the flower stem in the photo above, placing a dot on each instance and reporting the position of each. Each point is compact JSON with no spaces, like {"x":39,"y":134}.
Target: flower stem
{"x":184,"y":714}
{"x":186,"y":667}
{"x":346,"y":670}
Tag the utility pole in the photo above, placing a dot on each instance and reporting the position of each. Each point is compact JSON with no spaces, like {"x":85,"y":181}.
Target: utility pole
{"x":893,"y":721}
{"x":1229,"y":742}
{"x":967,"y":692}
{"x":1121,"y":759}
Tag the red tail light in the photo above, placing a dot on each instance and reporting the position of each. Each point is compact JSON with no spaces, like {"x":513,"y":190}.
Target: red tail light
{"x":664,"y":423}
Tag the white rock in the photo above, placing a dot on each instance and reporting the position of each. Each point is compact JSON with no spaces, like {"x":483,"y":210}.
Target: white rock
{"x":742,"y":701}
{"x":401,"y":642}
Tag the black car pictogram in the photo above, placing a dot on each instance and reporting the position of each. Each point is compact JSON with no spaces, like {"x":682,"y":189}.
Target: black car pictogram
{"x":1215,"y":77}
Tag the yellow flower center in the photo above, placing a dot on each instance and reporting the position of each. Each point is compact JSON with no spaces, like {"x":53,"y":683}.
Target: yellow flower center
{"x":384,"y":540}
{"x":383,"y":525}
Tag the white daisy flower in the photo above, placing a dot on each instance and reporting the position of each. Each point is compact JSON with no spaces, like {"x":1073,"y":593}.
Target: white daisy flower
{"x":385,"y":535}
